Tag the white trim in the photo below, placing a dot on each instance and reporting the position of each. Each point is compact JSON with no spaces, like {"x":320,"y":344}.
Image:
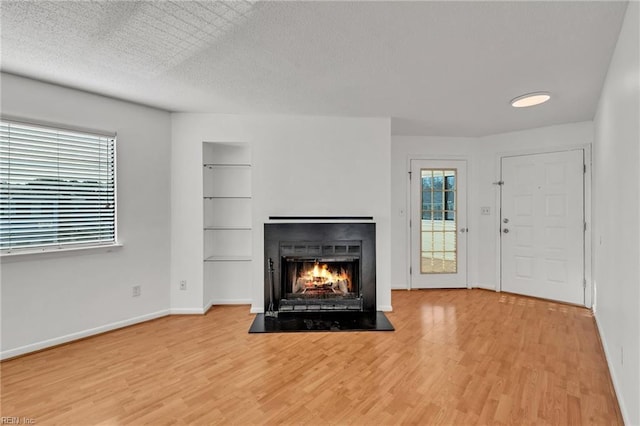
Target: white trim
{"x":587,"y":182}
{"x":589,"y":292}
{"x":486,"y":287}
{"x":439,"y":157}
{"x":616,"y":385}
{"x":229,"y":302}
{"x":256,"y":310}
{"x":385,"y":308}
{"x":44,"y":344}
{"x":57,"y":249}
{"x":51,"y":124}
{"x":187,"y":311}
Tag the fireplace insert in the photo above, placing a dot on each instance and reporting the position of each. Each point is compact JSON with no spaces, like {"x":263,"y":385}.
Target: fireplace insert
{"x":325,"y":277}
{"x":320,"y":267}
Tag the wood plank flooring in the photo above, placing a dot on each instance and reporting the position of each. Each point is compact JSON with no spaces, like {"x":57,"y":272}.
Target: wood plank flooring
{"x":457,"y":357}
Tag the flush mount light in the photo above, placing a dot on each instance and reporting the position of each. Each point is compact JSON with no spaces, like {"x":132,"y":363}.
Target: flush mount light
{"x":530,"y":99}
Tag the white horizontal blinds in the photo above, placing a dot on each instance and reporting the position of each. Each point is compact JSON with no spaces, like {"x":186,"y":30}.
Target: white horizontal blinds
{"x":57,"y":187}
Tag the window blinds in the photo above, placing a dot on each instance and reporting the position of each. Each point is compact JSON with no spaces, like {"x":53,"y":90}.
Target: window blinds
{"x":57,"y":188}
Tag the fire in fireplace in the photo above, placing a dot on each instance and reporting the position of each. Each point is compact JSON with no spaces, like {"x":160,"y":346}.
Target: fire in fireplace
{"x":320,"y":267}
{"x":322,"y":283}
{"x":320,"y":278}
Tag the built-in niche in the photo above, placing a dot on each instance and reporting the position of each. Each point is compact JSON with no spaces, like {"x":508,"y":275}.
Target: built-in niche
{"x":227,"y":222}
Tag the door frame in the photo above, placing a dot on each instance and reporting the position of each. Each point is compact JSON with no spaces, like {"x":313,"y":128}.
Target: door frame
{"x":588,"y":234}
{"x":423,"y":157}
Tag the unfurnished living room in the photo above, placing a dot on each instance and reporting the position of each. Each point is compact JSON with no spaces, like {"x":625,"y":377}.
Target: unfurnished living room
{"x":320,"y":212}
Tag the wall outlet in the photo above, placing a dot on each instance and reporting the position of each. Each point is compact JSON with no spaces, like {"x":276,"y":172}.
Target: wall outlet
{"x":485,"y":210}
{"x":183,"y":285}
{"x":136,"y":291}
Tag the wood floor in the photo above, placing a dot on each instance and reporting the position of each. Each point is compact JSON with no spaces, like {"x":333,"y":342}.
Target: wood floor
{"x":457,"y":357}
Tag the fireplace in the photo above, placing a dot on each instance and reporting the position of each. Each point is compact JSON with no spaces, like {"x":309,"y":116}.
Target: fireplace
{"x":320,"y":267}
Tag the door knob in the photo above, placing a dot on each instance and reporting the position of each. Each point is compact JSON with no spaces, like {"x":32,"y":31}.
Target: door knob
{"x":463,"y":230}
{"x":505,"y":220}
{"x":505,"y":230}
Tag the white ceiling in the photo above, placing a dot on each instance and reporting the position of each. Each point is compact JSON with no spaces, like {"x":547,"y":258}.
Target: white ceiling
{"x":436,"y":68}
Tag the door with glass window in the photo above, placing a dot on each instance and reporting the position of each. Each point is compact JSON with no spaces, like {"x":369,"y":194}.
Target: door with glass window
{"x":438,"y":224}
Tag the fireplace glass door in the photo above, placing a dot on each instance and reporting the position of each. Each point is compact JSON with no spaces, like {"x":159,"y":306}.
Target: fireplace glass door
{"x":318,"y":284}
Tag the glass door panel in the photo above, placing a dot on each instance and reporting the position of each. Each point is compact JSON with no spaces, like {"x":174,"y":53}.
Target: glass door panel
{"x":438,"y":232}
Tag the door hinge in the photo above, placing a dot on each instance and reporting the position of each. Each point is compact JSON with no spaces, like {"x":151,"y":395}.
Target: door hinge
{"x":410,"y":270}
{"x":409,"y":175}
{"x":585,"y":227}
{"x":584,"y":283}
{"x":584,"y":170}
{"x":499,"y":183}
{"x":409,"y":223}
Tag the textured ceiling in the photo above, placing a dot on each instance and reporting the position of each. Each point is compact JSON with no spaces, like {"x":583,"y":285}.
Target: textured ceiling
{"x":436,"y":68}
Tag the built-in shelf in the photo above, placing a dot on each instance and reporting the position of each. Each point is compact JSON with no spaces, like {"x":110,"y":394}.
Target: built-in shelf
{"x":227,"y":228}
{"x":228,"y":259}
{"x":228,"y":198}
{"x":211,"y":165}
{"x":227,"y":221}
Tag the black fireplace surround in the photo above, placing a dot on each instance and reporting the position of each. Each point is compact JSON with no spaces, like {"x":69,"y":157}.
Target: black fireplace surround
{"x":320,"y":267}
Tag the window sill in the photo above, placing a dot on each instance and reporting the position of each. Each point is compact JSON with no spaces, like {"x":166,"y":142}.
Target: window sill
{"x":44,"y":252}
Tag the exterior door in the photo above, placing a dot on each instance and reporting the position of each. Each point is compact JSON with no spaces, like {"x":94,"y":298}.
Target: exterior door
{"x":438,"y":224}
{"x":542,"y":225}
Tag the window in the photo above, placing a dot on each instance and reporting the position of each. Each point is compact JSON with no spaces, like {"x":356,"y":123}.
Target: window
{"x":438,"y":232}
{"x":57,"y":188}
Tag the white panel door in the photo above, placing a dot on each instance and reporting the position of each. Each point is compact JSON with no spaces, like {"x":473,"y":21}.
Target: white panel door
{"x":438,"y":224}
{"x":542,"y":225}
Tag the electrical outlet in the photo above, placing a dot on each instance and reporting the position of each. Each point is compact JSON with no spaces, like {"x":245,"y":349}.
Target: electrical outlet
{"x":136,"y":291}
{"x":183,"y":285}
{"x":485,"y":210}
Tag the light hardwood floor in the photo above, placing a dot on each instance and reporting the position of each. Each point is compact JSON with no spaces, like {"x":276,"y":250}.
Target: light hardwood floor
{"x":457,"y":357}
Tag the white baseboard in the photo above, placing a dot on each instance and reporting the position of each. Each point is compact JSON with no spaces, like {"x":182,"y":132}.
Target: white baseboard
{"x":187,"y":311}
{"x":44,"y":344}
{"x":385,"y":308}
{"x":616,"y":385}
{"x":257,"y":309}
{"x":230,"y":302}
{"x":485,"y":287}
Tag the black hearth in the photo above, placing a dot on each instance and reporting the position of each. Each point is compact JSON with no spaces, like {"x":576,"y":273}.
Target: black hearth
{"x":320,"y":267}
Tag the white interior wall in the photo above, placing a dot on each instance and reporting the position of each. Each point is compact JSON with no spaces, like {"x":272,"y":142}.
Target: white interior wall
{"x":300,"y":166}
{"x":616,"y":214}
{"x":482,"y":155}
{"x":52,"y":298}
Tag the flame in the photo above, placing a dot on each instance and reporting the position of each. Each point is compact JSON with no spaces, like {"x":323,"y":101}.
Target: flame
{"x":322,"y":274}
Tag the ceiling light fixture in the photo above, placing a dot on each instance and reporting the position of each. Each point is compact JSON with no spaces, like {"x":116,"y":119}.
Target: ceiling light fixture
{"x":530,"y":99}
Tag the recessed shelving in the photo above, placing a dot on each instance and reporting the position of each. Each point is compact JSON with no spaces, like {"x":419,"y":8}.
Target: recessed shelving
{"x":227,"y":228}
{"x":227,"y":220}
{"x":212,"y":165}
{"x":227,"y":197}
{"x":228,"y":259}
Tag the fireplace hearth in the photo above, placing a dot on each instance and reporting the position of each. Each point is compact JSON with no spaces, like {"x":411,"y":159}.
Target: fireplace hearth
{"x":319,"y":267}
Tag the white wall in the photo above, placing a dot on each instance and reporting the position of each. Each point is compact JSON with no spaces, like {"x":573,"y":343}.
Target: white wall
{"x":482,"y":156}
{"x":616,"y":213}
{"x":300,"y":166}
{"x":52,"y":298}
